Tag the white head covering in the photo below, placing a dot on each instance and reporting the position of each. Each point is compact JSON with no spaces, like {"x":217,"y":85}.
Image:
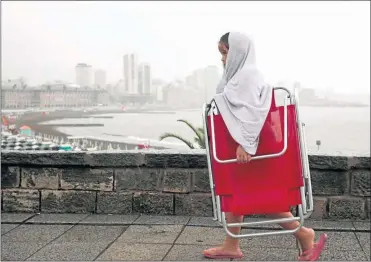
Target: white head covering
{"x":243,"y":98}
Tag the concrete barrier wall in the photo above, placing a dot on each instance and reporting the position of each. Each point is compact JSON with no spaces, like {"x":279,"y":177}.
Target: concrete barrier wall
{"x":158,"y":182}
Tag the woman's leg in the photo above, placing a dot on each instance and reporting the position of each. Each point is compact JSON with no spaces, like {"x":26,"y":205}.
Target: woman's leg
{"x":304,"y":235}
{"x":230,"y":247}
{"x":310,"y":251}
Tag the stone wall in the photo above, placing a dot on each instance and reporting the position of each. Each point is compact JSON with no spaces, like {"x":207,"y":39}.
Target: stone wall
{"x":158,"y":182}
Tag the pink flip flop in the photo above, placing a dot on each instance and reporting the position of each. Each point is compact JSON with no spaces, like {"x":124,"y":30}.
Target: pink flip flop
{"x":221,"y":256}
{"x":314,"y":253}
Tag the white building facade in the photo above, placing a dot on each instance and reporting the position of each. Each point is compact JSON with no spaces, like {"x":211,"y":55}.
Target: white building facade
{"x":144,"y":79}
{"x":84,"y":75}
{"x":130,"y":73}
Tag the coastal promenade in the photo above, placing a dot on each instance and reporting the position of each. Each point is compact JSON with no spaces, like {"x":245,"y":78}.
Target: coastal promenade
{"x":156,"y":205}
{"x":89,"y":237}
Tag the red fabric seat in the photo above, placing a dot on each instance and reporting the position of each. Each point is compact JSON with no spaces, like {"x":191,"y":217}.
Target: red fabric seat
{"x":263,"y":186}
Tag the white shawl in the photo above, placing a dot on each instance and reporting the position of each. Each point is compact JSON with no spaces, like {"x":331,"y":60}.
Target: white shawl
{"x":243,"y":99}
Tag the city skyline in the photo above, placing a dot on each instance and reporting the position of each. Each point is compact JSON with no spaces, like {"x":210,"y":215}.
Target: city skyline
{"x":312,"y":42}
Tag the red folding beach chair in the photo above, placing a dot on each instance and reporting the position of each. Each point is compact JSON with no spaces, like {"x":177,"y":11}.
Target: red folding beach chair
{"x":275,"y":180}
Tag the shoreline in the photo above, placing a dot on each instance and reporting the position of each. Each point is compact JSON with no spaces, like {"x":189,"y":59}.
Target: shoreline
{"x":33,"y":120}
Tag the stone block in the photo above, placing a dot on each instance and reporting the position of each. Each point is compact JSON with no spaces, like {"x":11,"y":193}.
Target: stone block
{"x":328,"y":162}
{"x":176,"y":159}
{"x":42,"y":178}
{"x":9,"y":176}
{"x":195,"y":204}
{"x":138,"y":179}
{"x":361,"y":181}
{"x":55,"y":201}
{"x":177,"y":180}
{"x":42,"y":158}
{"x":21,"y":200}
{"x":87,"y":179}
{"x":114,"y":202}
{"x":359,"y":162}
{"x":346,"y":208}
{"x":153,"y":203}
{"x":320,"y":208}
{"x":201,"y":182}
{"x":122,"y":158}
{"x":329,"y":182}
{"x":368,"y":205}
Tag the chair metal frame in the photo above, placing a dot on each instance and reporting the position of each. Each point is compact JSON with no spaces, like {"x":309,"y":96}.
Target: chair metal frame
{"x":304,"y":210}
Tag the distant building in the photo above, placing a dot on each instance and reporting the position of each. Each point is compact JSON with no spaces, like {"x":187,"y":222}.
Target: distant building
{"x":159,"y":93}
{"x":14,"y":94}
{"x":180,"y":97}
{"x":16,"y":83}
{"x":84,"y":75}
{"x":205,"y":80}
{"x":130,"y":73}
{"x":144,"y":79}
{"x":157,"y":88}
{"x":52,"y":96}
{"x":100,"y":79}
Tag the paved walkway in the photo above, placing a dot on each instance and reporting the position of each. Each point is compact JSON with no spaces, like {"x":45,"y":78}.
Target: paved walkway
{"x":73,"y":237}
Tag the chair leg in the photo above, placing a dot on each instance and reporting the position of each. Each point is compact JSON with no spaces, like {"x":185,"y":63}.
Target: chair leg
{"x":298,"y":246}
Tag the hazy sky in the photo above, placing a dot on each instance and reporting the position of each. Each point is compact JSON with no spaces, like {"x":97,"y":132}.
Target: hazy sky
{"x":321,"y":44}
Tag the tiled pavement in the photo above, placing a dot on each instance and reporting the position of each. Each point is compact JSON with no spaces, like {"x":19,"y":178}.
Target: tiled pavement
{"x":74,"y":237}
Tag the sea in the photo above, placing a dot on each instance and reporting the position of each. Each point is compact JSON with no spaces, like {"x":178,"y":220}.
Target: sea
{"x":340,"y":130}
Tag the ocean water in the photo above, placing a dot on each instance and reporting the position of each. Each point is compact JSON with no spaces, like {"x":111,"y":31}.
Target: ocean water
{"x":344,"y":131}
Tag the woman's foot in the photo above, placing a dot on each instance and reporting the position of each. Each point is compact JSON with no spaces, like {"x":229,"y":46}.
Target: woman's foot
{"x":311,"y":251}
{"x":223,"y":252}
{"x":306,"y":238}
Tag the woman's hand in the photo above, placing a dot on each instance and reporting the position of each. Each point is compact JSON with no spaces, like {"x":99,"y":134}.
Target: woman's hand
{"x":242,"y":155}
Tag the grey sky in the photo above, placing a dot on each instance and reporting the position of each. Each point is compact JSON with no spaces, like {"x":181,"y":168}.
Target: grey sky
{"x":321,"y":44}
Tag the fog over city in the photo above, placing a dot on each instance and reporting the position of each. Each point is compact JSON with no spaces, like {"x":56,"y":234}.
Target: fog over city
{"x":146,"y":65}
{"x":321,"y":44}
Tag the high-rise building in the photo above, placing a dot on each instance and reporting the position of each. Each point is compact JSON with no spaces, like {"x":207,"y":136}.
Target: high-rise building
{"x":100,"y":79}
{"x":84,"y":75}
{"x":144,"y":79}
{"x":130,"y":73}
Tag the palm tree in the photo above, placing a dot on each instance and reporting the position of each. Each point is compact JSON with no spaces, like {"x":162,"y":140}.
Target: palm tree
{"x":199,"y":139}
